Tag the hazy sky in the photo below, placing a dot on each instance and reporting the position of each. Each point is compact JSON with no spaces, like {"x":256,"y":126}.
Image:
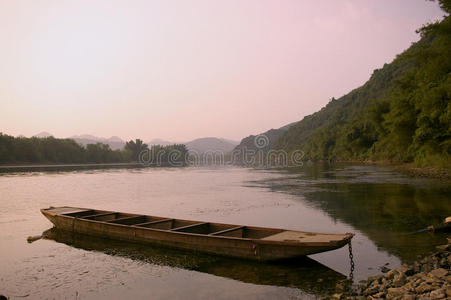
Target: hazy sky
{"x":183,"y":69}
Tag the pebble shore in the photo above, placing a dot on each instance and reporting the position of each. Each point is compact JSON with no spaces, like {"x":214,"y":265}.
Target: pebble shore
{"x":429,"y":278}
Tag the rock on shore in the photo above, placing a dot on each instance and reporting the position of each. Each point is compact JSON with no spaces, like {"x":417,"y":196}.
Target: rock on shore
{"x":429,"y":278}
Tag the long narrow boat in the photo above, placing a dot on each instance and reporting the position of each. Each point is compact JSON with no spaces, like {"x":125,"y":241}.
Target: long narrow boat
{"x":256,"y":243}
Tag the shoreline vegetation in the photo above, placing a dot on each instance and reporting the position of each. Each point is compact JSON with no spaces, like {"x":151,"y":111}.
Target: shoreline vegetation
{"x":50,"y":151}
{"x":57,"y":167}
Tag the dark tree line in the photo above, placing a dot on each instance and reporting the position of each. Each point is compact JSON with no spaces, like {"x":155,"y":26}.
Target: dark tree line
{"x":50,"y":150}
{"x":171,"y":155}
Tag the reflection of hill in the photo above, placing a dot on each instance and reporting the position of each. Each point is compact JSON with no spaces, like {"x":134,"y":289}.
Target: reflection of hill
{"x":305,"y":274}
{"x":379,"y":203}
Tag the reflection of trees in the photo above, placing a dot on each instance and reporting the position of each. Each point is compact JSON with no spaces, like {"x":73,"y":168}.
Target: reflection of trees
{"x":393,"y":207}
{"x":384,"y":211}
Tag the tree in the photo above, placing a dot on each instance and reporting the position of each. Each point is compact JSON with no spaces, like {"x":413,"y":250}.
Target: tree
{"x":135,"y":148}
{"x":444,"y":4}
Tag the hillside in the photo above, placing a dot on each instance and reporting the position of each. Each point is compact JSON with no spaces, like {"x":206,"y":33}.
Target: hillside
{"x":265,"y":141}
{"x":401,"y":114}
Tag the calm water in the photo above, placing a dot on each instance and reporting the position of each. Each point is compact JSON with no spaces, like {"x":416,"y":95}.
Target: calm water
{"x":378,"y":204}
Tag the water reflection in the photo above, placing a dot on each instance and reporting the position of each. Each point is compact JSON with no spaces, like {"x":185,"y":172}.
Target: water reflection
{"x":306,"y":274}
{"x":386,"y":206}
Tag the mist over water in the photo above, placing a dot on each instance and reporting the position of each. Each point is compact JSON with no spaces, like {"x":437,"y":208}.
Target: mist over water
{"x":379,"y":205}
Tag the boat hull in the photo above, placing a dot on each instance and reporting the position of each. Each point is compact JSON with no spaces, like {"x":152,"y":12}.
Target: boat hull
{"x":254,"y":249}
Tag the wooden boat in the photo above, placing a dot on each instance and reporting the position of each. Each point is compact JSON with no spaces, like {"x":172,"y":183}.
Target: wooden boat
{"x":256,"y":243}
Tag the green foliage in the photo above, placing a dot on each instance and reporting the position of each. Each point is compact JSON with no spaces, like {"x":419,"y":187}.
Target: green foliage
{"x":37,"y":150}
{"x":402,"y":114}
{"x":135,"y":148}
{"x":171,"y":155}
{"x":445,"y":5}
{"x":23,"y":150}
{"x":99,"y":153}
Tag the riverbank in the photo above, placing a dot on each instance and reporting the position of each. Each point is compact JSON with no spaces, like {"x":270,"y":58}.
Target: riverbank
{"x":67,"y":165}
{"x":51,"y":167}
{"x":409,"y":169}
{"x":428,"y":172}
{"x":429,"y":278}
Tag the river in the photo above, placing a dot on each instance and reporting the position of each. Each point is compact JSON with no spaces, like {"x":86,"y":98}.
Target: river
{"x":379,"y":205}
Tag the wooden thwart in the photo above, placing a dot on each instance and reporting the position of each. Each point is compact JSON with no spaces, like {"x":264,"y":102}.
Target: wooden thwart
{"x":189,"y":226}
{"x":129,"y":218}
{"x":153,"y":222}
{"x":98,"y":215}
{"x":227,"y":230}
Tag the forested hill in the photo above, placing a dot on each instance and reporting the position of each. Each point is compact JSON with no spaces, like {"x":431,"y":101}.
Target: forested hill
{"x":250,"y":143}
{"x":401,"y":114}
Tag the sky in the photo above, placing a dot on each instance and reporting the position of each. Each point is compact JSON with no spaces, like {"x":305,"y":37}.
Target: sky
{"x":185,"y":69}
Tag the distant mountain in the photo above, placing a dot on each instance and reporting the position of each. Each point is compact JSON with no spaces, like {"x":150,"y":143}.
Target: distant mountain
{"x":115,"y":143}
{"x":87,"y":137}
{"x":115,"y":139}
{"x":211,"y":144}
{"x":160,"y":142}
{"x":230,"y":141}
{"x":43,"y":134}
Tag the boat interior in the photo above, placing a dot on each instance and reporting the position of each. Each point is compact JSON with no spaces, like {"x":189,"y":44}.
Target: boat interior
{"x":175,"y":225}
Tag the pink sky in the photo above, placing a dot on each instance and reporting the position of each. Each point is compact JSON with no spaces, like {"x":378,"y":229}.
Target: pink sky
{"x":180,"y":70}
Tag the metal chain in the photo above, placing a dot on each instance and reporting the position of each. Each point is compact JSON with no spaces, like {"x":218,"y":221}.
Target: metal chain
{"x":351,"y":257}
